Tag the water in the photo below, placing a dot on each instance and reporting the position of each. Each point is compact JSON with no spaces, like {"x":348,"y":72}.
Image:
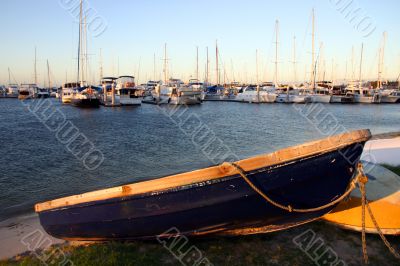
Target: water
{"x":141,"y":143}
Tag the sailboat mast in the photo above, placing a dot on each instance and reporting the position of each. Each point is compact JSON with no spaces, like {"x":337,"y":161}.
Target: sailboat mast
{"x":154,"y":66}
{"x":35,"y":70}
{"x":381,"y":60}
{"x":101,"y":65}
{"x":48,"y":73}
{"x":80,"y":42}
{"x":294,"y":60}
{"x":313,"y":50}
{"x":86,"y":52}
{"x":361,"y":60}
{"x":276,"y":51}
{"x":207,"y":67}
{"x":257,"y":80}
{"x":9,"y":76}
{"x":165,"y":63}
{"x":197,"y":62}
{"x":216,"y":64}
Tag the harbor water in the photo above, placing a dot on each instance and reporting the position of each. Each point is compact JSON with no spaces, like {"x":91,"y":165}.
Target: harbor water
{"x":150,"y":141}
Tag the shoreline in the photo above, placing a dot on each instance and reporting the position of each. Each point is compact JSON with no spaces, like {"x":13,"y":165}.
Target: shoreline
{"x":381,"y":149}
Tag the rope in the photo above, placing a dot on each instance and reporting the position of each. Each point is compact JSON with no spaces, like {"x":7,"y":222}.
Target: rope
{"x":361,"y":182}
{"x":361,"y":179}
{"x":289,"y":208}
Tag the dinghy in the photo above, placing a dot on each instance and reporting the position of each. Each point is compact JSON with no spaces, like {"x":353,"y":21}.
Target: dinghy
{"x":383,"y":194}
{"x":217,"y":199}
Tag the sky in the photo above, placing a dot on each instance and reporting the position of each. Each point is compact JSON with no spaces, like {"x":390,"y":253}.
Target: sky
{"x":130,"y":34}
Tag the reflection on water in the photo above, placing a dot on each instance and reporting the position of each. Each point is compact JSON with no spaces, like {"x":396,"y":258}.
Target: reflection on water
{"x":141,"y":143}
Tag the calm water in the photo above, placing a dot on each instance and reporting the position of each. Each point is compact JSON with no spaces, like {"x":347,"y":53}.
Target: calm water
{"x":142,"y":143}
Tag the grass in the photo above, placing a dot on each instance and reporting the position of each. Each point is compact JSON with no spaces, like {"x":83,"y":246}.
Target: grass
{"x":275,"y":248}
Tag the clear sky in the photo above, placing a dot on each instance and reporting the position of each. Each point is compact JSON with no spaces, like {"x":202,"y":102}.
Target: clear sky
{"x":136,"y":30}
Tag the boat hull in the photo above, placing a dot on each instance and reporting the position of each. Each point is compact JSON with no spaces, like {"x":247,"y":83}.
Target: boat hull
{"x":341,"y":99}
{"x":217,"y":205}
{"x":390,"y":99}
{"x":86,"y":103}
{"x":254,"y":97}
{"x":320,"y":98}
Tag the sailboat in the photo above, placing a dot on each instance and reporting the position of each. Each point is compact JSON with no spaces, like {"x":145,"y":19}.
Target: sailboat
{"x":317,"y":94}
{"x":86,"y":95}
{"x":175,"y":91}
{"x":12,"y":89}
{"x":255,"y":93}
{"x":29,"y":90}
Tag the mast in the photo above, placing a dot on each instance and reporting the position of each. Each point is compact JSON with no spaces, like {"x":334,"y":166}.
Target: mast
{"x":80,"y":43}
{"x":216,"y":64}
{"x":360,"y":73}
{"x":207,"y":66}
{"x":197,"y":62}
{"x":276,"y":51}
{"x":257,"y":80}
{"x":313,"y":50}
{"x":48,"y":74}
{"x":9,"y":76}
{"x":86,"y":52}
{"x":35,"y":70}
{"x":154,"y":67}
{"x":381,"y":60}
{"x":165,"y":63}
{"x":101,"y":65}
{"x":294,"y":60}
{"x":352,"y":66}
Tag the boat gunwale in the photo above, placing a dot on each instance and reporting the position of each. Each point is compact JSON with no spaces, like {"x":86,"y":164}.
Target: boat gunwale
{"x":224,"y":170}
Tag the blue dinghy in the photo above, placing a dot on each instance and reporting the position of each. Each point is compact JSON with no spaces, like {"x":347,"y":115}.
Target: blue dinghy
{"x":217,"y":199}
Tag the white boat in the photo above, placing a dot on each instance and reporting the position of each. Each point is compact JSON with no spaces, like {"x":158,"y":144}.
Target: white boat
{"x":27,"y":91}
{"x":12,"y":90}
{"x":342,"y":98}
{"x":292,"y":96}
{"x":128,"y":93}
{"x":3,"y":91}
{"x":86,"y":97}
{"x":176,"y":92}
{"x":255,"y":94}
{"x":390,"y":96}
{"x":67,"y":90}
{"x":365,"y":95}
{"x":109,"y":87}
{"x":320,"y":95}
{"x":43,"y":93}
{"x":213,"y":93}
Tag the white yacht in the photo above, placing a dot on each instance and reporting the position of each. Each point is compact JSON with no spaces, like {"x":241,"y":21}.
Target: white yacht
{"x":292,"y":95}
{"x":67,"y":90}
{"x":255,"y":94}
{"x":390,"y":96}
{"x":27,"y":91}
{"x":43,"y":93}
{"x":364,"y":95}
{"x":128,"y":93}
{"x":320,"y":95}
{"x":12,"y":90}
{"x":86,"y":97}
{"x":176,"y":92}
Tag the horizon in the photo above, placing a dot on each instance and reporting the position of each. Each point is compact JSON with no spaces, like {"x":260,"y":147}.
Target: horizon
{"x":131,"y":34}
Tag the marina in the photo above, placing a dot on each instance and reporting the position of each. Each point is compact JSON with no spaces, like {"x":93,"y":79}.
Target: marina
{"x":129,"y":137}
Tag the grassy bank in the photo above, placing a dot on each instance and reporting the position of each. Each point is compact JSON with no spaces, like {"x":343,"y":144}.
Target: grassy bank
{"x":277,"y":248}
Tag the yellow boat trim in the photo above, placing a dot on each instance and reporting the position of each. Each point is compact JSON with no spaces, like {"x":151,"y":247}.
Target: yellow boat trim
{"x":215,"y":172}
